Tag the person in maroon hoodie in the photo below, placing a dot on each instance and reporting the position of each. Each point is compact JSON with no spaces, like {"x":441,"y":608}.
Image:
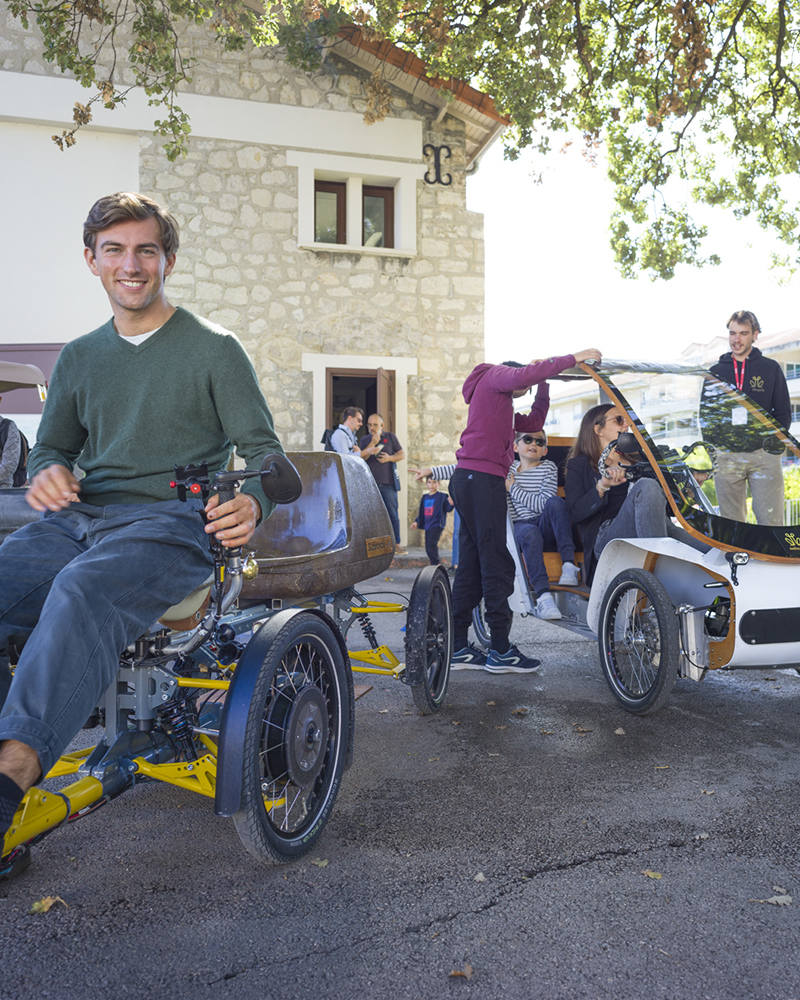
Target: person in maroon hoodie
{"x":485,"y":567}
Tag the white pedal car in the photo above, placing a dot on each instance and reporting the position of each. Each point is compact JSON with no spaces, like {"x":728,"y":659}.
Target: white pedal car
{"x":658,"y":608}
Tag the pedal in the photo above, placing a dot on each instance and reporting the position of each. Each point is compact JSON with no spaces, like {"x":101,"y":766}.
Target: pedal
{"x":15,"y":863}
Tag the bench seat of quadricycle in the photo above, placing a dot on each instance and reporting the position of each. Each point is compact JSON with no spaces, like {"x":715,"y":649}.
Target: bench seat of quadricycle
{"x":337,"y":534}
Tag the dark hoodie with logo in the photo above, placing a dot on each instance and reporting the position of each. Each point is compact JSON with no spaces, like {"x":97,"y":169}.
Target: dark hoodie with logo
{"x":765,"y":383}
{"x":487,"y":444}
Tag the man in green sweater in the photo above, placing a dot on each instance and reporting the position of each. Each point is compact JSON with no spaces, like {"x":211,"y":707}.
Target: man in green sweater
{"x":154,"y":387}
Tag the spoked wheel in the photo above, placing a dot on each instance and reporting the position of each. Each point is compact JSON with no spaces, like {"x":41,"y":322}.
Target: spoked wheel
{"x":296,"y":741}
{"x":639,"y":645}
{"x":429,"y":639}
{"x":483,"y":636}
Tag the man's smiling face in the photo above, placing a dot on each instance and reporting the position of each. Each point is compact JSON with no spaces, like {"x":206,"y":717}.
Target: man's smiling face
{"x":132,"y":266}
{"x":741,"y":337}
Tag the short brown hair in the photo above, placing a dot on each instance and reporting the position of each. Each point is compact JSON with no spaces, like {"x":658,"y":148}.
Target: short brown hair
{"x":124,"y":206}
{"x":745,"y":316}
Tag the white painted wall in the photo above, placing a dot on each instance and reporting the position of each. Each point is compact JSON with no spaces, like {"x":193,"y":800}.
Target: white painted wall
{"x":49,"y":294}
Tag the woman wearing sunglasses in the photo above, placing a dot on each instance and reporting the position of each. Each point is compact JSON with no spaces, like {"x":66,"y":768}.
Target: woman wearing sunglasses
{"x":610,"y":507}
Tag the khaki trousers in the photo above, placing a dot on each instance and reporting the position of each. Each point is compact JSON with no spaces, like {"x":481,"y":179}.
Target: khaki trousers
{"x":762,"y":472}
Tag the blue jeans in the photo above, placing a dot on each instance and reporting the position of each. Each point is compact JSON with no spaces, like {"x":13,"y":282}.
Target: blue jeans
{"x":77,"y":587}
{"x":551,"y":527}
{"x":389,"y":494}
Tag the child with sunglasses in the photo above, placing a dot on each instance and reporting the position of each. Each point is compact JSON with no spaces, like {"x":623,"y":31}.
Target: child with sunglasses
{"x":610,"y":507}
{"x":540,"y":519}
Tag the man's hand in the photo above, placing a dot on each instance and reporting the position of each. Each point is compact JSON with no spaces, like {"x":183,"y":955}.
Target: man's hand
{"x":234,"y":521}
{"x":421,"y":473}
{"x":54,"y":488}
{"x":383,"y":458}
{"x":591,"y":355}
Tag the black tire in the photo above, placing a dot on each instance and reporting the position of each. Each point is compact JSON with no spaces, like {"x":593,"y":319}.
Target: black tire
{"x":429,"y":639}
{"x":638,"y":640}
{"x":296,"y":740}
{"x":483,"y":637}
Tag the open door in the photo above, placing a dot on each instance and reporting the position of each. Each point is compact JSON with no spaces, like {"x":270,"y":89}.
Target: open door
{"x":371,"y":389}
{"x":385,"y":397}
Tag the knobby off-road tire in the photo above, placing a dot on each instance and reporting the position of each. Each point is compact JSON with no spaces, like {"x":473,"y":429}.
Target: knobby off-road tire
{"x":638,"y":640}
{"x":296,"y":741}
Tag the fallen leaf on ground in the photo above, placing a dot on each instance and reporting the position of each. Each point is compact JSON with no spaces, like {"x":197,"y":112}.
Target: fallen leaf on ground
{"x":465,"y":973}
{"x":501,"y":727}
{"x":319,"y":862}
{"x":662,"y":767}
{"x":494,"y":754}
{"x":480,"y":877}
{"x":546,"y":732}
{"x":702,"y":836}
{"x":619,"y":732}
{"x":784,"y":900}
{"x":454,"y":722}
{"x":382,"y":711}
{"x":577,"y":728}
{"x":651,"y":874}
{"x":520,"y":711}
{"x":491,"y":702}
{"x":431,"y":759}
{"x":707,"y":791}
{"x":44,"y":904}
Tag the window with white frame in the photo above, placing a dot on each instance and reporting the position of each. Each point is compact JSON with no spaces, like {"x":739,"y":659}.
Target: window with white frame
{"x":349,"y":203}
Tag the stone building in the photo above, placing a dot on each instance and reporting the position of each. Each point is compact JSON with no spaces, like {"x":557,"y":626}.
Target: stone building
{"x":341,"y":253}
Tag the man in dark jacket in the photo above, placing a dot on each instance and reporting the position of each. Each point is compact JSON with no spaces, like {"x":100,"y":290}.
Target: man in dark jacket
{"x":478,"y":488}
{"x":746,"y":463}
{"x":384,"y":451}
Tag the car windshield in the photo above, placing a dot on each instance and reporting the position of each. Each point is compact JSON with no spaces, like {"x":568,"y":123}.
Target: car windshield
{"x":733,"y":472}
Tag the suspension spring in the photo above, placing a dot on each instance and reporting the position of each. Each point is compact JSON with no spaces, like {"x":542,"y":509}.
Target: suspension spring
{"x":369,"y":630}
{"x":178,"y":715}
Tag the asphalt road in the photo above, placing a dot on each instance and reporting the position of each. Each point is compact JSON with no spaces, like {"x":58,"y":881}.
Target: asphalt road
{"x":531,"y":837}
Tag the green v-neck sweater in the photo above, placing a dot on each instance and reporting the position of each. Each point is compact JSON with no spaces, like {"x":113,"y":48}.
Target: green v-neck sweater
{"x":127,"y":413}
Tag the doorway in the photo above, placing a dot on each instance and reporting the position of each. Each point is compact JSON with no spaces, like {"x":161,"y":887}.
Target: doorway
{"x":373,"y":390}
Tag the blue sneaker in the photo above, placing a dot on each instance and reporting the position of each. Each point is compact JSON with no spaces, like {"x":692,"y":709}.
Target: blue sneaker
{"x":512,"y":662}
{"x":468,"y":658}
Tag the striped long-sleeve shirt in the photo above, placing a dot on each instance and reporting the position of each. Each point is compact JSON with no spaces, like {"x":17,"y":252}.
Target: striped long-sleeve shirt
{"x":531,"y":490}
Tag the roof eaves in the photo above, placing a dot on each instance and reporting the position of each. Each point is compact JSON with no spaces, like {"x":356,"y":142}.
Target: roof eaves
{"x":414,"y":67}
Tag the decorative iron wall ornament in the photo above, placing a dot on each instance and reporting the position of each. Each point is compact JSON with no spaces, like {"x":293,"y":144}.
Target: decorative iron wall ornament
{"x":437,"y":153}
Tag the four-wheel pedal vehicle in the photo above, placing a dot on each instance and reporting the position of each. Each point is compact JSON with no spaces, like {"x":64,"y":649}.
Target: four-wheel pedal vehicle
{"x":244,"y":692}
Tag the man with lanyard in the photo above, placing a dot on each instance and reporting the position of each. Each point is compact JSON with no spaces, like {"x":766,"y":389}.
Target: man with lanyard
{"x":154,"y":387}
{"x":744,"y":462}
